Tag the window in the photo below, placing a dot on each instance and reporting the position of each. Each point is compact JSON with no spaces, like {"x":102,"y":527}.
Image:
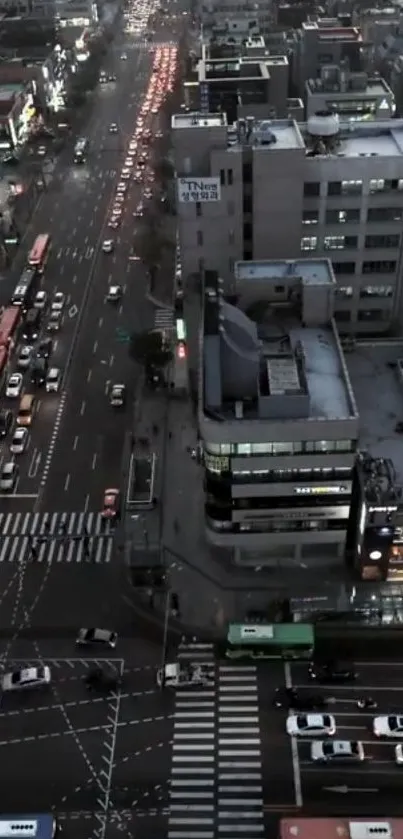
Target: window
{"x":198,"y":209}
{"x":283,"y":448}
{"x":279,"y":289}
{"x":339,"y":243}
{"x":310,"y":217}
{"x":384,"y":214}
{"x":376,"y":185}
{"x":371,"y":315}
{"x":312,"y":189}
{"x":230,"y":177}
{"x":342,"y":216}
{"x":334,"y":188}
{"x":376,"y":291}
{"x":199,"y":237}
{"x":222,"y":177}
{"x":379,"y":266}
{"x":247,"y":204}
{"x":247,"y":173}
{"x":344,"y":291}
{"x":325,"y":58}
{"x":343,"y":267}
{"x":343,"y":316}
{"x":231,"y":237}
{"x":351,"y":187}
{"x":247,"y":231}
{"x":382,"y":241}
{"x":231,"y":208}
{"x":309,"y":243}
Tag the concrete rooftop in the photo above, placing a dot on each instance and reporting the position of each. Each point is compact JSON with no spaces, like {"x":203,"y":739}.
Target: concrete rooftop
{"x":379,"y":397}
{"x":310,"y":270}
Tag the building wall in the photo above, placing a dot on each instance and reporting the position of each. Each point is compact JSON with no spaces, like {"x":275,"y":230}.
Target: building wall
{"x":273,"y":215}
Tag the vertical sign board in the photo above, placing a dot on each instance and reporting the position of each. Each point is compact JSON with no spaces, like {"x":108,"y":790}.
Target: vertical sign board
{"x":198,"y":190}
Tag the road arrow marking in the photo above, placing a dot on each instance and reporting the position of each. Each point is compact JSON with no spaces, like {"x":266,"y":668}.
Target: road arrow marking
{"x":73,"y":311}
{"x":345,"y":789}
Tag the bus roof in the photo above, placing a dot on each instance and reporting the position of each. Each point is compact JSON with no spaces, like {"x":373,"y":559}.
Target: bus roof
{"x":341,"y":828}
{"x":273,"y":633}
{"x":39,"y":246}
{"x":38,"y":826}
{"x":8,"y":323}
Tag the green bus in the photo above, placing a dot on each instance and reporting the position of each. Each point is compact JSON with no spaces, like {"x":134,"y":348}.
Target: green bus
{"x":288,"y":641}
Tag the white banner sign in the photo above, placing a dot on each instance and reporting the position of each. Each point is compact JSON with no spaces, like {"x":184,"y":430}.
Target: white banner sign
{"x":200,"y":190}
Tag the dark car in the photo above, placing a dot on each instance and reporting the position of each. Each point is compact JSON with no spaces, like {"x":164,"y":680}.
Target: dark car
{"x":39,"y":371}
{"x":332,"y":673}
{"x":100,"y":681}
{"x":44,"y":349}
{"x":289,"y":698}
{"x":6,"y":419}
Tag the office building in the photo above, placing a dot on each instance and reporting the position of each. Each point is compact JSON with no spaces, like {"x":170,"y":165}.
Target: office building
{"x":239,"y":17}
{"x":277,"y":415}
{"x":78,"y":12}
{"x":353,"y":96}
{"x":321,"y":43}
{"x":275,"y":190}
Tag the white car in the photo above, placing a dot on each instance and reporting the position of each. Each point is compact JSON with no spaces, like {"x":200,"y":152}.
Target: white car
{"x":19,"y":441}
{"x":14,"y":386}
{"x":53,"y":380}
{"x":58,"y":301}
{"x":40,"y":300}
{"x":129,"y":162}
{"x":55,"y":321}
{"x":337,"y":751}
{"x":107,"y":246}
{"x":121,"y":187}
{"x":399,"y":754}
{"x":8,"y":476}
{"x":26,"y":679}
{"x":388,"y":726}
{"x":119,"y":199}
{"x":185,"y":675}
{"x":25,"y":357}
{"x":114,"y":293}
{"x":148,"y":193}
{"x":310,"y":725}
{"x":125,"y":175}
{"x":133,"y":146}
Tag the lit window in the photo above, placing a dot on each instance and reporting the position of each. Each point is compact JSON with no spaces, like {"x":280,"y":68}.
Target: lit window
{"x":309,"y":243}
{"x":344,"y":291}
{"x":351,"y":187}
{"x":376,"y":185}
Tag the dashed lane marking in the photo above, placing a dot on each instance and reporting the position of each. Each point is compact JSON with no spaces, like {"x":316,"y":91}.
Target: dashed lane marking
{"x":51,"y":735}
{"x":79,"y":703}
{"x":53,"y":439}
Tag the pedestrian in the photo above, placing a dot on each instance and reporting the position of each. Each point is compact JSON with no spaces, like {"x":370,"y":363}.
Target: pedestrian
{"x":175,"y":605}
{"x":170,"y":435}
{"x":34,"y":553}
{"x":150,"y":594}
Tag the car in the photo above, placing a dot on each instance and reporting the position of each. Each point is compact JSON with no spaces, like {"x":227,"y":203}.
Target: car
{"x":388,"y":726}
{"x":19,"y":441}
{"x":39,"y":371}
{"x":181,"y":674}
{"x":54,"y":322}
{"x":337,"y":751}
{"x":139,"y":211}
{"x":148,"y":194}
{"x":6,"y":420}
{"x":98,"y":680}
{"x":125,"y":174}
{"x":290,"y":698}
{"x":111,"y":77}
{"x":121,"y":187}
{"x":44,"y":348}
{"x":114,"y":293}
{"x":310,"y":725}
{"x":117,"y":396}
{"x":133,"y":146}
{"x":123,"y":57}
{"x":41,"y":151}
{"x":53,"y":380}
{"x":113,"y":129}
{"x":331,"y":673}
{"x":58,"y":301}
{"x":138,"y":177}
{"x":8,"y":476}
{"x":40,"y":300}
{"x":116,"y":211}
{"x":129,"y":162}
{"x":26,"y":679}
{"x":25,"y":357}
{"x":111,"y":502}
{"x":107,"y":246}
{"x":114,"y":222}
{"x":399,"y":754}
{"x":14,"y":386}
{"x":119,"y":199}
{"x":105,"y":637}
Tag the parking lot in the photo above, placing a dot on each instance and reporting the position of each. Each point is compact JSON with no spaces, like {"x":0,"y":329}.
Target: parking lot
{"x":370,"y":786}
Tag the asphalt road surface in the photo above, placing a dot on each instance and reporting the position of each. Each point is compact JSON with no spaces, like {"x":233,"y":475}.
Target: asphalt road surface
{"x":81,"y":754}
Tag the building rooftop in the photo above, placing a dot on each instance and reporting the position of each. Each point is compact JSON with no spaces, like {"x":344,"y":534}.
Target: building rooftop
{"x":357,"y":86}
{"x":311,"y":271}
{"x":238,"y":68}
{"x":377,"y":381}
{"x":197,"y":120}
{"x":266,"y":357}
{"x":341,"y":828}
{"x":278,"y":133}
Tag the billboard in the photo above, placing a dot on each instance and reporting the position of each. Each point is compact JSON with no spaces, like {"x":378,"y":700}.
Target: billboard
{"x":198,"y":190}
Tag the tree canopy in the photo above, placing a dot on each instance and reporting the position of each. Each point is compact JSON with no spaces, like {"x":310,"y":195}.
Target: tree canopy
{"x":147,"y":348}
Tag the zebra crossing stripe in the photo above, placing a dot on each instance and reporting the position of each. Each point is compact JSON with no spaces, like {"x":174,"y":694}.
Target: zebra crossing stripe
{"x":59,"y":537}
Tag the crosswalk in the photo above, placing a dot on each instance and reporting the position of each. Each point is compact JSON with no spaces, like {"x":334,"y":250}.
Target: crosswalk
{"x":58,"y":537}
{"x":216,"y":787}
{"x":164,"y":319}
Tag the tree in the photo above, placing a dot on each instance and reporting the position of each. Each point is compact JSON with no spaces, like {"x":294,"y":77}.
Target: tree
{"x":151,"y":243}
{"x":147,"y":348}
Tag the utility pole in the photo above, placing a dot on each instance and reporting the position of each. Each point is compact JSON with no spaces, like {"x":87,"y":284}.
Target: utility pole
{"x":165,"y":637}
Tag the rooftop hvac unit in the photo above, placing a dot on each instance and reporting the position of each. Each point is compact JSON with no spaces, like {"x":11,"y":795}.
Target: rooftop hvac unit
{"x":323,"y":124}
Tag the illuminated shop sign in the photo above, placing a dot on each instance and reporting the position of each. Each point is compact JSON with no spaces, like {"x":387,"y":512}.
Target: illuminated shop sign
{"x":382,"y":509}
{"x":322,"y":490}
